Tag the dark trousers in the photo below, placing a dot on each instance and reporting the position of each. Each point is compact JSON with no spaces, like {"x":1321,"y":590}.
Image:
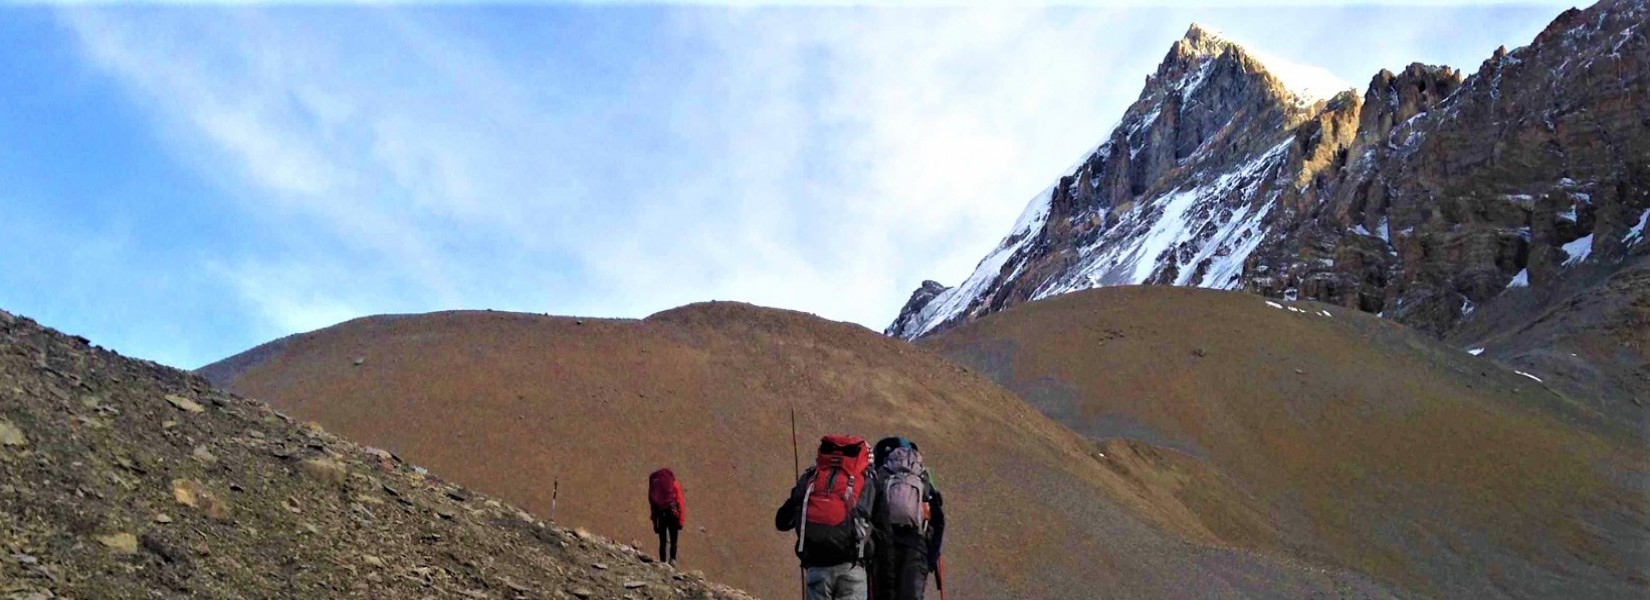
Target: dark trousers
{"x":667,"y":543}
{"x":902,"y":567}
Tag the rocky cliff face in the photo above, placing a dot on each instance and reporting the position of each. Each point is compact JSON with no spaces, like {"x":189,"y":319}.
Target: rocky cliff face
{"x":1458,"y":189}
{"x":1422,"y":199}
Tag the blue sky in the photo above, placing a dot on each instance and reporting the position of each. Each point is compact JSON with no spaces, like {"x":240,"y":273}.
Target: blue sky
{"x":180,"y":184}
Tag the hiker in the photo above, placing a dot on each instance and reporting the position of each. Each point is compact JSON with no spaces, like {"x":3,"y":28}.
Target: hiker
{"x":664,"y":500}
{"x":909,"y":518}
{"x":830,"y":510}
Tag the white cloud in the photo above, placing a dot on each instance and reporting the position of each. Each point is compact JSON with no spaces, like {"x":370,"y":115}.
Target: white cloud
{"x":924,"y":133}
{"x":292,"y":297}
{"x":822,"y":160}
{"x":348,"y":153}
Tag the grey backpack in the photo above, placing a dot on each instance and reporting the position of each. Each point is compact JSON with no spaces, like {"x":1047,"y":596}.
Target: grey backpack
{"x":903,"y":489}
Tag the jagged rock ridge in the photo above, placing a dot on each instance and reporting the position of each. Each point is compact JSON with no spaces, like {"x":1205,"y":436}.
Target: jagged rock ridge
{"x":1422,"y":199}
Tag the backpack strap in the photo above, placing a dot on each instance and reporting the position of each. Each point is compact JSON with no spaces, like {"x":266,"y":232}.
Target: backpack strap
{"x":860,"y":519}
{"x":802,"y":517}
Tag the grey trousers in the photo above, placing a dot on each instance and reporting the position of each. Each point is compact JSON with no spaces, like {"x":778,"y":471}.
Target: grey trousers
{"x":841,"y":582}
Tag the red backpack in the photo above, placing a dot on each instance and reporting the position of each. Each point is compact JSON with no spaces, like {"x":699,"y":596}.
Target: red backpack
{"x":661,"y":493}
{"x":831,"y":525}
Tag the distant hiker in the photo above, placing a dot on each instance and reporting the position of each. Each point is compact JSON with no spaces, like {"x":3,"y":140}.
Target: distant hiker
{"x":664,"y":500}
{"x":830,"y":509}
{"x":910,"y":522}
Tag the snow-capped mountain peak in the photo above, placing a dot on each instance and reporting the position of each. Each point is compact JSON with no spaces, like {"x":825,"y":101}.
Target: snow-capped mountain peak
{"x":1210,"y":122}
{"x":1203,"y":40}
{"x":1236,"y":171}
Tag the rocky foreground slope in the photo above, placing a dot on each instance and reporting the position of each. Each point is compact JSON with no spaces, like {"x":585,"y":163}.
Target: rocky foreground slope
{"x":121,"y":478}
{"x":1424,"y":198}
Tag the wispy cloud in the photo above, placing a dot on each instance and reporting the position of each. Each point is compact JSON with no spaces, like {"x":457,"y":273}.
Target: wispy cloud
{"x":616,"y":162}
{"x":379,"y":165}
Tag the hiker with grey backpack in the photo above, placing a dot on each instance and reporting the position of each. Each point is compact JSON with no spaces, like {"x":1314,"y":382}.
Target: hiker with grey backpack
{"x":909,"y":520}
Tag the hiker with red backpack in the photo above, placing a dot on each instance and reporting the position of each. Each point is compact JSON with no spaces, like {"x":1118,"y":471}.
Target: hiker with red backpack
{"x":909,"y":518}
{"x":830,"y":509}
{"x":669,"y":511}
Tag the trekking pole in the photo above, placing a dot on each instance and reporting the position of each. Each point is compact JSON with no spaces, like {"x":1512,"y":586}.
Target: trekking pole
{"x":939,"y":576}
{"x":796,"y":459}
{"x":796,"y":473}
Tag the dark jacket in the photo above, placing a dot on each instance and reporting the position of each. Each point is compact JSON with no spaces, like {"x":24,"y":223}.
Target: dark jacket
{"x":930,"y":542}
{"x":830,"y":546}
{"x":935,"y":535}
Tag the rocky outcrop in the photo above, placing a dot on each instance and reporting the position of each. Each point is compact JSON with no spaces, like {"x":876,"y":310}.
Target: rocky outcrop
{"x":1394,"y":99}
{"x":1422,"y":199}
{"x":924,"y":294}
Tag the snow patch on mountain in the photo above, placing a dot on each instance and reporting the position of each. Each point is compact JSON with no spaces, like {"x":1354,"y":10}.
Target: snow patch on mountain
{"x":1578,"y":250}
{"x":1181,"y":229}
{"x":1177,"y":231}
{"x":1636,"y":234}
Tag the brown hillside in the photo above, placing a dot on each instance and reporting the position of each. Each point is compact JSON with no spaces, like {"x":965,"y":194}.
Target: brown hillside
{"x":509,"y":402}
{"x":124,"y":479}
{"x":1362,"y":443}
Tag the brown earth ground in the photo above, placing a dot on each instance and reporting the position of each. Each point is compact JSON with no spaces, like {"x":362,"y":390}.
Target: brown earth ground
{"x":510,"y":403}
{"x":121,"y":479}
{"x":1352,"y":441}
